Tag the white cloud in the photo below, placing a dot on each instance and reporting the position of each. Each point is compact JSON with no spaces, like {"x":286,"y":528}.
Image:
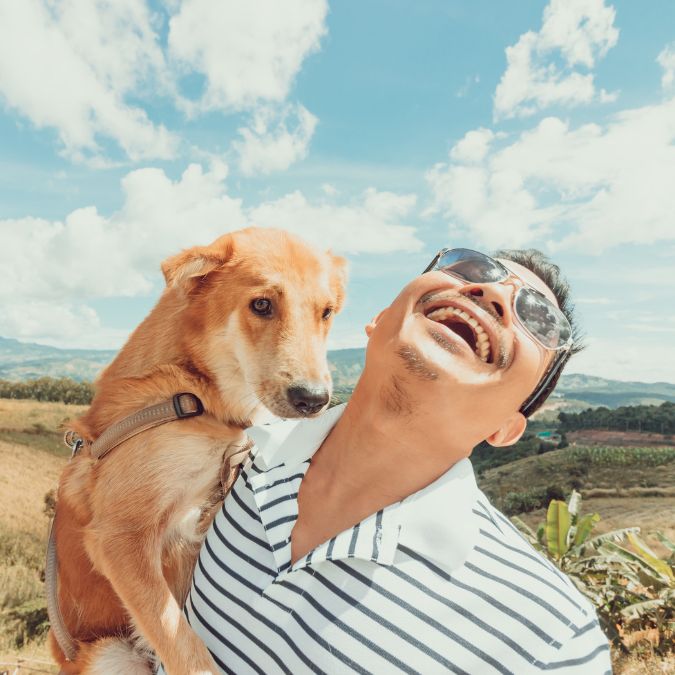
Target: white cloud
{"x":269,"y":145}
{"x":588,"y":188}
{"x":44,"y":321}
{"x":577,"y":31}
{"x":368,"y":225}
{"x":666,"y":60}
{"x":89,"y":255}
{"x":249,"y":52}
{"x":473,"y":147}
{"x":71,"y":65}
{"x":626,"y":357}
{"x":45,"y":264}
{"x":88,"y":68}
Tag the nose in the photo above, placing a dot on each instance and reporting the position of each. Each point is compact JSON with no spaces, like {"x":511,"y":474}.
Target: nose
{"x":497,"y":296}
{"x":308,"y":400}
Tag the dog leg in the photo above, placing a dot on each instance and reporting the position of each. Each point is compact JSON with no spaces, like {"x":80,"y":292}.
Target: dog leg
{"x":138,"y":580}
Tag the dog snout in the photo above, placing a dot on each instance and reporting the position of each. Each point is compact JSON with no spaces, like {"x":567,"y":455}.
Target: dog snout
{"x":308,"y":400}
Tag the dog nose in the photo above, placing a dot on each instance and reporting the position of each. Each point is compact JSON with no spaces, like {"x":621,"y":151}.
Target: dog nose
{"x":308,"y":400}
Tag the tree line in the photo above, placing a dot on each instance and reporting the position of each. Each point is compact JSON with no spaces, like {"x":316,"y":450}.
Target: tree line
{"x":650,"y":418}
{"x":655,"y":418}
{"x":62,"y":389}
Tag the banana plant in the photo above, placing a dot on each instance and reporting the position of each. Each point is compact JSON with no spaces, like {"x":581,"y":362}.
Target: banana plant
{"x":630,"y":586}
{"x":565,"y":530}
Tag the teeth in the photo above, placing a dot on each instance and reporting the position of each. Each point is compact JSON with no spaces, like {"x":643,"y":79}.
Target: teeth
{"x":444,"y":312}
{"x":482,"y":341}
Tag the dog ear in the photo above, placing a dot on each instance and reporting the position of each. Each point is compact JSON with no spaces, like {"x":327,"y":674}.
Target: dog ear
{"x":339,"y":279}
{"x":197,"y":261}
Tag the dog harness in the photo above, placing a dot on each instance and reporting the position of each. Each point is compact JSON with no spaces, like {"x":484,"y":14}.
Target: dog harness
{"x":178,"y":407}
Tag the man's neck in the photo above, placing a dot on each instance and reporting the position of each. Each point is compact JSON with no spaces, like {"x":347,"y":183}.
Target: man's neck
{"x":374,"y":456}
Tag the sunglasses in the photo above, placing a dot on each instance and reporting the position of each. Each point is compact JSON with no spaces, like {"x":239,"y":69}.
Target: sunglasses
{"x":534,"y":312}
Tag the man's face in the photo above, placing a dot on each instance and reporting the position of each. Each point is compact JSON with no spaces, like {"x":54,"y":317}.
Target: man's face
{"x":477,"y":367}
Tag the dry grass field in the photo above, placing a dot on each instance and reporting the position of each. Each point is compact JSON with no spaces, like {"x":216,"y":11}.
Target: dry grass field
{"x":31,"y":459}
{"x":32,"y":455}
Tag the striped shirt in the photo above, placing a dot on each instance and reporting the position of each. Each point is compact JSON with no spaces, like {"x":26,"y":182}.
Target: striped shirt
{"x":440,"y":582}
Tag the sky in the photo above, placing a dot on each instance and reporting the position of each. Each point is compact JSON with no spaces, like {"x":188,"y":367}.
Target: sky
{"x":384,"y":130}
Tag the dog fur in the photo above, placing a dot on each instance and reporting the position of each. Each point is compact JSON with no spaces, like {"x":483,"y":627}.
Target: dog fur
{"x":130,"y":525}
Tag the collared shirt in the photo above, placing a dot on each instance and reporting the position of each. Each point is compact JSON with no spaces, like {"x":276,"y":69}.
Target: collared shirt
{"x":439,"y":582}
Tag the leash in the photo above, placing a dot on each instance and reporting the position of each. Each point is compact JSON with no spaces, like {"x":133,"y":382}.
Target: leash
{"x":178,"y":407}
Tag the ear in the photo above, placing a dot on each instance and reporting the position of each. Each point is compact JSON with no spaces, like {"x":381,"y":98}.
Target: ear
{"x":370,"y":327}
{"x":339,"y":276}
{"x":509,"y":432}
{"x":197,"y":261}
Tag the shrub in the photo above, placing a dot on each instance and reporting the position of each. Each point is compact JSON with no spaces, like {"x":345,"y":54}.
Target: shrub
{"x":23,"y":611}
{"x":530,"y":500}
{"x":26,"y":622}
{"x":632,"y":589}
{"x":522,"y":502}
{"x":61,"y":389}
{"x":657,"y":419}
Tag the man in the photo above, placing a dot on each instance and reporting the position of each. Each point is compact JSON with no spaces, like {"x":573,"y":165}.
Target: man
{"x":359,"y":542}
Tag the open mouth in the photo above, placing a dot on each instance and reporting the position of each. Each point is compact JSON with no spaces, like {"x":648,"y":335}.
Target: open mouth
{"x":466,"y":327}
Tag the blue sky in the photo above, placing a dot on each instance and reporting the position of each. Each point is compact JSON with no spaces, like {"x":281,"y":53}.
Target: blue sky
{"x":385,"y":130}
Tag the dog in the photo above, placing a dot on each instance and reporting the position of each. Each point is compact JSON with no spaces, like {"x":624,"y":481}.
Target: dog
{"x":242,"y":324}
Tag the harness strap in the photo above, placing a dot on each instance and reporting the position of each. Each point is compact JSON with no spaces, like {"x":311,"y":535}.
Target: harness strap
{"x":58,"y":626}
{"x":178,"y":407}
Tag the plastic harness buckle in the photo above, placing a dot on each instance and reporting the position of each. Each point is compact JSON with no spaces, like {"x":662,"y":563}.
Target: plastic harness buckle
{"x":187,"y":405}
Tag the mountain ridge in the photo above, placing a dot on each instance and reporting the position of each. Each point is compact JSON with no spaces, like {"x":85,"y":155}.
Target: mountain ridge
{"x":25,"y":360}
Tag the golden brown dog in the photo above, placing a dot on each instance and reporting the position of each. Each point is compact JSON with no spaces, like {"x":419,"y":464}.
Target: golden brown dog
{"x":243,"y":325}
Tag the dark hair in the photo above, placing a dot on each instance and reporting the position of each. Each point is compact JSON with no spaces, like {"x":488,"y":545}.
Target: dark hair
{"x":550,"y":274}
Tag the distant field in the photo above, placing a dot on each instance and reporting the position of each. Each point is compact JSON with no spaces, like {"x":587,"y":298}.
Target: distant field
{"x":32,"y":456}
{"x":588,"y":470}
{"x":609,"y":437}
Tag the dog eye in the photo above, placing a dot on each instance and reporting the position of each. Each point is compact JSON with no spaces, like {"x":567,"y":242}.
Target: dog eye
{"x":261,"y":306}
{"x":327,"y":312}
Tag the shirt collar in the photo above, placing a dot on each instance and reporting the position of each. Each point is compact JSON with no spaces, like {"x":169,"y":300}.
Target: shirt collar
{"x":292,"y":442}
{"x":437,"y":522}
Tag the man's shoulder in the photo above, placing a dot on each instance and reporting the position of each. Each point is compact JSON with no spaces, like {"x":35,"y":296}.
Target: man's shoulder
{"x":517,"y":560}
{"x":511,"y":568}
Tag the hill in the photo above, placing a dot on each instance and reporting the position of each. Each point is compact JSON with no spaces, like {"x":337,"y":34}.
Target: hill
{"x":575,"y":392}
{"x":27,"y":360}
{"x":595,"y":471}
{"x":613,"y":393}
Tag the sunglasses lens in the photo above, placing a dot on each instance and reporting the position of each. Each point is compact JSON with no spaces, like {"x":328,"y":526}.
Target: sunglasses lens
{"x":471,"y":266}
{"x":546,"y":323}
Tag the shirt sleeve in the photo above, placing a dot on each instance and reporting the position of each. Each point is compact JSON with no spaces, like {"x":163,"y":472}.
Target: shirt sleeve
{"x":585,"y":653}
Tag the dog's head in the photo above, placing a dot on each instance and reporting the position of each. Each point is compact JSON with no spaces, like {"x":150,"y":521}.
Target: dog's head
{"x":257,"y":307}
